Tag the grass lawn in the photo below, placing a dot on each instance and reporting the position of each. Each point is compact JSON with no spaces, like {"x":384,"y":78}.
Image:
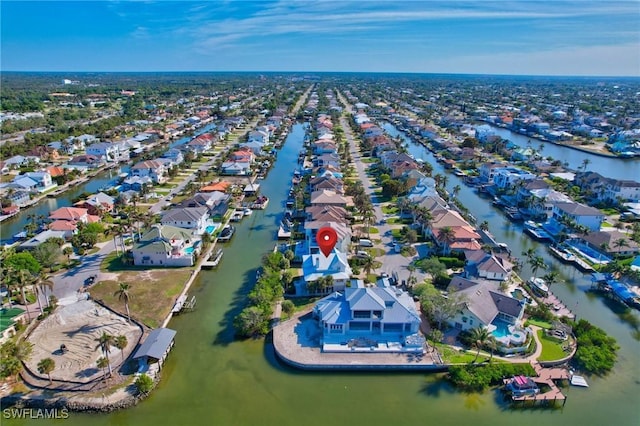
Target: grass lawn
{"x":397,"y":234}
{"x":606,"y":225}
{"x":541,"y":324}
{"x":390,"y":209}
{"x":152,"y":293}
{"x":453,"y":356}
{"x":551,"y":348}
{"x":609,"y":211}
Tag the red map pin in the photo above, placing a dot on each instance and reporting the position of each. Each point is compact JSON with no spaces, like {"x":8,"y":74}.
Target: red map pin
{"x":326,"y":239}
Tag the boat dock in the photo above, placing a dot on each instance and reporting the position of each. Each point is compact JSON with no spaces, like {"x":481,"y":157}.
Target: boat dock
{"x":184,"y":304}
{"x":213,"y":260}
{"x":547,"y":377}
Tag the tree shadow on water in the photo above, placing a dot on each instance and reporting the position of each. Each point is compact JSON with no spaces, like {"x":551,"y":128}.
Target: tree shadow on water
{"x":226,"y":335}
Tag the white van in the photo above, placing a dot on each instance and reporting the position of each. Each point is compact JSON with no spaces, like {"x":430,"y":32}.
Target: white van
{"x":365,"y":243}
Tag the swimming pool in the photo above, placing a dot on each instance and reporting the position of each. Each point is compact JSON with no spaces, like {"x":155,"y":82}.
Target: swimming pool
{"x":502,"y":328}
{"x":520,"y":295}
{"x":210,"y":229}
{"x":591,"y":254}
{"x":189,"y":250}
{"x":508,"y":334}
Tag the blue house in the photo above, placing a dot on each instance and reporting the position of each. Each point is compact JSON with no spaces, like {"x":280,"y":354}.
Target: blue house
{"x":378,"y":318}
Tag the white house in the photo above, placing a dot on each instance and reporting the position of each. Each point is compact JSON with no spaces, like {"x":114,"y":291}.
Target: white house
{"x":507,"y":176}
{"x":166,"y":246}
{"x":582,"y":215}
{"x":109,"y":152}
{"x":195,"y":219}
{"x":150,"y":168}
{"x":175,"y":155}
{"x":315,"y":266}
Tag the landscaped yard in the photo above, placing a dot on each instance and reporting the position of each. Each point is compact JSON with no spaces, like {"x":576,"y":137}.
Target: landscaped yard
{"x":551,"y":347}
{"x":152,"y":293}
{"x":453,"y":356}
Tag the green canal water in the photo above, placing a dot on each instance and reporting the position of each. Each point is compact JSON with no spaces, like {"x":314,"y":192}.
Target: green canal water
{"x":211,"y":379}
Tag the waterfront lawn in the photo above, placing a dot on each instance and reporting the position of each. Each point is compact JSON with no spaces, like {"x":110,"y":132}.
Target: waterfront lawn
{"x":539,"y":323}
{"x":453,"y":356}
{"x":390,"y":209}
{"x":551,"y":348}
{"x":152,"y":293}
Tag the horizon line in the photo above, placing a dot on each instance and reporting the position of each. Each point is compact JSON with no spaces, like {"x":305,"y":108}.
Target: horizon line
{"x":320,"y":72}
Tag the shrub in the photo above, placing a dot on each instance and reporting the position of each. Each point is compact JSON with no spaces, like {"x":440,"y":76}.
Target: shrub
{"x":452,"y":262}
{"x":144,"y":384}
{"x":477,"y":377}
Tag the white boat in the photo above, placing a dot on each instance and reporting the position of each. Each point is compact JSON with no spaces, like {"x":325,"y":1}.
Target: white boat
{"x":247,"y":212}
{"x":538,"y":285}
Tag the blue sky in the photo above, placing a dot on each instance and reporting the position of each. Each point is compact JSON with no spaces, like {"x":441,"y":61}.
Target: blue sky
{"x":501,"y":37}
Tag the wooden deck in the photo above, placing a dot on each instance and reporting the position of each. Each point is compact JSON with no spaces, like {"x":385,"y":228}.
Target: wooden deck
{"x":546,"y":376}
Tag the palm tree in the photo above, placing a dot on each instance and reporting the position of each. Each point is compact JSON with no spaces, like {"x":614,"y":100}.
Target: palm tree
{"x":529,"y":253}
{"x":105,"y":341}
{"x":585,"y":163}
{"x":446,"y":236}
{"x":41,"y":281}
{"x":121,"y":343}
{"x":123,"y":294}
{"x":536,"y":263}
{"x":368,"y":264}
{"x":412,"y":280}
{"x":46,"y":366}
{"x":455,"y":191}
{"x":67,"y":251}
{"x":551,"y":277}
{"x":102,"y":363}
{"x":621,"y":243}
{"x":23,"y":280}
{"x":492,"y":344}
{"x":484,"y":226}
{"x":479,"y":337}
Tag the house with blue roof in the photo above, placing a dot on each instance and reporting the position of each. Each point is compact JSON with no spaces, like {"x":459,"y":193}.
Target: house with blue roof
{"x":316,"y":266}
{"x":374,"y":318}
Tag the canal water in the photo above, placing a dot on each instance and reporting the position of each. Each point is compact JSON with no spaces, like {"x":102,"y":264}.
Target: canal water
{"x":212,"y":379}
{"x":616,"y":168}
{"x":16,"y":224}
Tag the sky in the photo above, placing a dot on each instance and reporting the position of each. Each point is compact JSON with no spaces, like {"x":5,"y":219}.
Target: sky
{"x":520,"y":37}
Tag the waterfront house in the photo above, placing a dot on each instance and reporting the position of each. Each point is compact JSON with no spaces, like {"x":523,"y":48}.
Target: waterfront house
{"x":165,"y":246}
{"x":86,"y":161}
{"x":200,"y":144}
{"x":136,"y":183}
{"x":506,"y":177}
{"x":482,"y":304}
{"x":150,"y":168}
{"x":221,"y":186}
{"x":342,"y":230}
{"x":73,"y":215}
{"x":316,"y":266}
{"x":321,"y":147}
{"x":487,"y":171}
{"x":369,"y":316}
{"x":175,"y":155}
{"x":235,"y":168}
{"x":109,"y":152}
{"x":326,"y":160}
{"x":40,"y":238}
{"x":254,"y":147}
{"x":259,"y":136}
{"x":97,"y":204}
{"x":195,"y":219}
{"x":216,"y":202}
{"x":327,"y":214}
{"x":327,"y":198}
{"x":327,"y":182}
{"x":581,"y":215}
{"x":19,"y":198}
{"x":34,"y":181}
{"x":423,"y":189}
{"x":612,"y":242}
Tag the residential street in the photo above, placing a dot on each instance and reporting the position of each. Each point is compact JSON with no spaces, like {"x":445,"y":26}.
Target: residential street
{"x":392,"y":263}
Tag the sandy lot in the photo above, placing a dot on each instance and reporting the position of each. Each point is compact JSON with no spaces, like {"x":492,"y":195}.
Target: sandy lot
{"x":77,"y":326}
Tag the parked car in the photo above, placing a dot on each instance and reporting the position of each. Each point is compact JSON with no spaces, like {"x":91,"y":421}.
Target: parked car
{"x":361,"y":254}
{"x":365,"y":243}
{"x":90,"y":280}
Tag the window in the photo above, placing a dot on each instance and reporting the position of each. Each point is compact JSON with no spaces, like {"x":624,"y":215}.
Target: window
{"x":464,"y":319}
{"x":362,"y":314}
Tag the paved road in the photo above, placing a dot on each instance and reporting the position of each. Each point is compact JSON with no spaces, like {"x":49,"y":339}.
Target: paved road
{"x":392,"y":262}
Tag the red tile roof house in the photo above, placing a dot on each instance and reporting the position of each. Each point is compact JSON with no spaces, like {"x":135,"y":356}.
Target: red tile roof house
{"x":67,"y":219}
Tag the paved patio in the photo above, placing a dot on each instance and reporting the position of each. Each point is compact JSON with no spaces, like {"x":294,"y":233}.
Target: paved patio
{"x":297,"y":342}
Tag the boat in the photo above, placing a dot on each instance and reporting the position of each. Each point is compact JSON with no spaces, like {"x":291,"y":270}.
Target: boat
{"x":513,"y":214}
{"x":237,"y":216}
{"x":247,"y":212}
{"x":562,"y":253}
{"x":521,"y":386}
{"x":534,"y":230}
{"x":226,"y":233}
{"x":538,"y":285}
